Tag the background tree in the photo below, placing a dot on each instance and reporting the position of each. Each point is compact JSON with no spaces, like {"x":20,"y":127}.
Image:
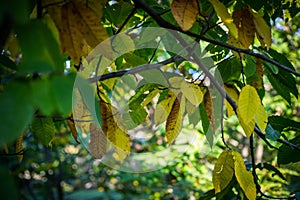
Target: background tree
{"x":46,"y":45}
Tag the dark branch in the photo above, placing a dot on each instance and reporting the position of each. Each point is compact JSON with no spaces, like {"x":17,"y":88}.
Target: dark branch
{"x":163,"y":23}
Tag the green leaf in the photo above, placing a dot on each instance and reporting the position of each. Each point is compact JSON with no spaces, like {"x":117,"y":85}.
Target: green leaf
{"x":154,"y":76}
{"x":250,"y":67}
{"x":280,"y":58}
{"x":244,"y":177}
{"x":117,"y":12}
{"x":40,"y":49}
{"x":223,"y":171}
{"x":16,"y":111}
{"x":134,"y":117}
{"x":62,"y":89}
{"x":287,"y":154}
{"x":271,"y":133}
{"x":230,"y":70}
{"x":8,"y":186}
{"x":280,"y":123}
{"x":206,"y":125}
{"x":43,"y":129}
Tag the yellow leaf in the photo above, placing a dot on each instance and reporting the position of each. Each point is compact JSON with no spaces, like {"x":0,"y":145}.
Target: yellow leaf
{"x":175,"y":118}
{"x":223,"y":171}
{"x":263,"y":30}
{"x":163,"y":109}
{"x":248,"y":103}
{"x":185,"y":12}
{"x":73,"y":130}
{"x":208,"y":104}
{"x":19,"y":148}
{"x":234,"y":94}
{"x":149,"y":97}
{"x":244,"y":177}
{"x":245,"y":25}
{"x":97,"y":144}
{"x":192,"y":93}
{"x":114,"y":130}
{"x":222,"y":12}
{"x":176,"y":82}
{"x":248,"y":127}
{"x":261,"y":118}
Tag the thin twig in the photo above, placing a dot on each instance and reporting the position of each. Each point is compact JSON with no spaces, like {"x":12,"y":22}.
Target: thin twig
{"x":126,"y":20}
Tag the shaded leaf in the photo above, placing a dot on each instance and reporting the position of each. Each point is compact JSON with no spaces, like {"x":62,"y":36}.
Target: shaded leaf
{"x":73,"y":130}
{"x":256,"y":79}
{"x":19,"y":148}
{"x":236,"y":43}
{"x":270,"y":168}
{"x":208,"y":104}
{"x":280,"y":123}
{"x":287,"y":154}
{"x":223,"y":171}
{"x":271,"y":133}
{"x":175,"y":118}
{"x":245,"y":25}
{"x":244,"y":177}
{"x":44,"y":130}
{"x":185,"y":12}
{"x":97,"y":144}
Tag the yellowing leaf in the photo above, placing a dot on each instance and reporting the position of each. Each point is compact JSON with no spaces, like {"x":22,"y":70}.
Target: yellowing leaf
{"x":248,"y":127}
{"x":263,"y":30}
{"x":149,"y":97}
{"x":234,"y":42}
{"x":79,"y":27}
{"x":185,"y":12}
{"x":261,"y":118}
{"x":73,"y":130}
{"x":114,"y":130}
{"x":245,"y":25}
{"x":248,"y":103}
{"x":208,"y":104}
{"x":176,"y":82}
{"x":257,"y":81}
{"x":234,"y":94}
{"x":222,"y":12}
{"x":223,"y":171}
{"x":97,"y":144}
{"x":19,"y":148}
{"x":164,"y":107}
{"x":244,"y":177}
{"x":192,"y":93}
{"x":175,"y":118}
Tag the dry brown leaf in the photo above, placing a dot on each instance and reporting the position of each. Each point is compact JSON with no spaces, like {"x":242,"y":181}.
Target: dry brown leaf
{"x":97,"y":143}
{"x":185,"y":12}
{"x":73,"y":130}
{"x":208,"y":104}
{"x":245,"y":25}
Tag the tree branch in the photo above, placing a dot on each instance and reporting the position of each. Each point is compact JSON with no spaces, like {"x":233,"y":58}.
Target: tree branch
{"x":163,"y":23}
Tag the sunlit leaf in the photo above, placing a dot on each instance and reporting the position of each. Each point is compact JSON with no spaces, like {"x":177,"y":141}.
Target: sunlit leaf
{"x":244,"y":177}
{"x":261,"y":118}
{"x":222,"y":12}
{"x":248,"y":127}
{"x":192,"y":93}
{"x":223,"y":171}
{"x":234,"y":94}
{"x":164,"y":107}
{"x":175,"y":118}
{"x":248,"y":103}
{"x":185,"y":12}
{"x":263,"y":30}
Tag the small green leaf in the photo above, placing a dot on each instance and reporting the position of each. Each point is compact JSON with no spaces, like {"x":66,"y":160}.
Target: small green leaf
{"x":44,"y":130}
{"x":271,"y":133}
